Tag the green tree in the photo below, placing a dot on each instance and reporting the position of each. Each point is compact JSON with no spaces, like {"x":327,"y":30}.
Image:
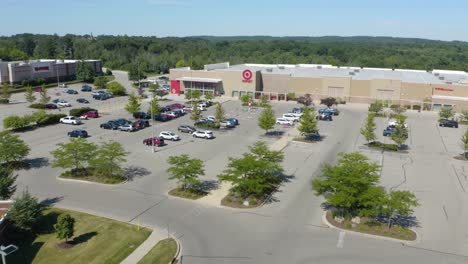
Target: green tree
{"x":100,"y":82}
{"x":84,"y":72}
{"x":255,"y":173}
{"x":376,"y":107}
{"x":7,"y":182}
{"x":17,"y":122}
{"x":75,"y":155}
{"x":246,"y":98}
{"x":195,"y":95}
{"x":12,"y":148}
{"x":398,"y":204}
{"x":219,"y":114}
{"x":134,"y":73}
{"x":464,"y":140}
{"x":133,"y":104}
{"x":180,"y":64}
{"x":446,"y":113}
{"x":154,"y":108}
{"x":25,"y":212}
{"x":267,"y":120}
{"x":368,"y":131}
{"x":398,"y":109}
{"x":347,"y":185}
{"x":65,"y":226}
{"x":264,"y":101}
{"x":116,"y":89}
{"x":44,"y":98}
{"x":6,"y":93}
{"x":108,"y":159}
{"x":329,"y":101}
{"x":185,"y":170}
{"x":196,"y":113}
{"x":153,"y":87}
{"x":209,"y":96}
{"x":400,"y":131}
{"x":308,"y":123}
{"x":29,"y":95}
{"x":188,"y":94}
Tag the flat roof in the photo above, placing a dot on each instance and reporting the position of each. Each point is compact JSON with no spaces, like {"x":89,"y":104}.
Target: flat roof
{"x":356,"y":73}
{"x":196,"y":79}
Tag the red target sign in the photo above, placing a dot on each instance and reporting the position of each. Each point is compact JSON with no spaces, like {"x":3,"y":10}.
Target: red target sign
{"x":247,"y":75}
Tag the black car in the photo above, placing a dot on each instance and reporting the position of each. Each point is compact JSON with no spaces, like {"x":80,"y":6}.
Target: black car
{"x":122,"y":121}
{"x":141,"y":115}
{"x":71,"y":91}
{"x":86,"y":88}
{"x":313,"y":137}
{"x":140,"y":124}
{"x":448,"y":123}
{"x":78,"y":133}
{"x":56,"y":100}
{"x":109,"y":125}
{"x":165,"y":109}
{"x":51,"y":106}
{"x":160,"y":118}
{"x":101,"y":96}
{"x":324,"y":117}
{"x":186,"y":129}
{"x":82,"y":100}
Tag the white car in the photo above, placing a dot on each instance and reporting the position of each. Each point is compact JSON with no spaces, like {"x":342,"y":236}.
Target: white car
{"x":394,"y":123}
{"x":98,"y":92}
{"x":211,"y":118}
{"x":283,"y":121}
{"x":291,"y":117}
{"x":63,"y":85}
{"x":296,"y":114}
{"x":167,"y":135}
{"x":127,"y":127}
{"x":206,"y":134}
{"x":202,"y":107}
{"x":64,"y":104}
{"x":70,"y":120}
{"x":172,"y":114}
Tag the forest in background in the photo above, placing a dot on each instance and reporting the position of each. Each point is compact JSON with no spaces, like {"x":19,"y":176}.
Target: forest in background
{"x":156,"y":55}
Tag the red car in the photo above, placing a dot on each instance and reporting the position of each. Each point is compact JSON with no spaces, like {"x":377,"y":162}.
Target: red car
{"x":154,"y":141}
{"x":168,"y":117}
{"x":140,"y":124}
{"x":177,"y":105}
{"x":91,"y":114}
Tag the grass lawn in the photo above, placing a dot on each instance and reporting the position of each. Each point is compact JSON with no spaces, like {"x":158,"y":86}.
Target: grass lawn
{"x":192,"y":194}
{"x":110,"y":78}
{"x":162,"y":253}
{"x":96,"y":240}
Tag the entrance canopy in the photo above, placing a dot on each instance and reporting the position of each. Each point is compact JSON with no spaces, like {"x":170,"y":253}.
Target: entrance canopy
{"x":202,"y":80}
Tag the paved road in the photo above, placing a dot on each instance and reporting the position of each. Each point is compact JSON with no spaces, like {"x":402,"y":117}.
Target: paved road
{"x":288,"y":230}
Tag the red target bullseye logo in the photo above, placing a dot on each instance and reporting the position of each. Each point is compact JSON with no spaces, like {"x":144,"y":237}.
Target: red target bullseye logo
{"x":247,"y":74}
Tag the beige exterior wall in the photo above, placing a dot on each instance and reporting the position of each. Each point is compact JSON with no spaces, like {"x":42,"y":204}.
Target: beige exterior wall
{"x":449,"y":90}
{"x":415,"y":91}
{"x":336,"y":83}
{"x":304,"y":85}
{"x":387,"y":85}
{"x":275,"y":83}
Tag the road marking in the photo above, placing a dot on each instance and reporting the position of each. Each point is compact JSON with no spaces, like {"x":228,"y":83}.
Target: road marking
{"x":341,"y":237}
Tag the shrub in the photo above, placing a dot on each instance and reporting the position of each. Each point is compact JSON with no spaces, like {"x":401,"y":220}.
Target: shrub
{"x":50,"y":119}
{"x":38,"y":106}
{"x":253,"y":202}
{"x":329,"y":101}
{"x":16,"y":122}
{"x":348,"y":225}
{"x":108,"y":71}
{"x":291,"y":97}
{"x":246,"y":98}
{"x":116,"y":89}
{"x":4,"y":101}
{"x":77,"y":112}
{"x":208,"y":125}
{"x":416,"y":107}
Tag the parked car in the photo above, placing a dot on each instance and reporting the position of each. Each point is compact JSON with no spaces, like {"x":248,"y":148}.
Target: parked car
{"x":167,"y":135}
{"x":167,"y":116}
{"x":70,"y":120}
{"x":201,"y":106}
{"x":56,"y":100}
{"x":314,"y":136}
{"x":86,"y":88}
{"x":98,"y":92}
{"x":206,"y":134}
{"x":282,"y":121}
{"x":226,"y":124}
{"x":51,"y":106}
{"x":71,"y":91}
{"x":122,"y":121}
{"x":233,"y":121}
{"x":127,"y":127}
{"x":101,"y":96}
{"x":140,"y":124}
{"x":390,"y":130}
{"x":141,"y":115}
{"x":64,"y":104}
{"x":82,"y":100}
{"x":179,"y":111}
{"x":166,"y":87}
{"x":325,"y":117}
{"x":298,"y":115}
{"x":332,"y":111}
{"x":298,"y":110}
{"x":448,"y":123}
{"x":188,"y":109}
{"x":109,"y":125}
{"x":161,"y":118}
{"x":177,"y":105}
{"x":291,"y":117}
{"x":395,"y":123}
{"x":171,"y":114}
{"x":154,"y":141}
{"x":91,"y":114}
{"x":186,"y":129}
{"x":81,"y":133}
{"x":63,"y":85}
{"x":211,"y":118}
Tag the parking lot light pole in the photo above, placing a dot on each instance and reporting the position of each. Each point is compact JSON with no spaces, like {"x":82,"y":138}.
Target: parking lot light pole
{"x":152,"y":125}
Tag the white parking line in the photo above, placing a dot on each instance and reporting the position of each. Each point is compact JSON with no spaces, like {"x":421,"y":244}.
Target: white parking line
{"x":341,"y":237}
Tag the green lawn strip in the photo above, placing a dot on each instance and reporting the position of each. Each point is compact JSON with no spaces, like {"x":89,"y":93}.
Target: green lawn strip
{"x":374,"y":228}
{"x":192,"y":194}
{"x":162,"y":253}
{"x":97,"y":240}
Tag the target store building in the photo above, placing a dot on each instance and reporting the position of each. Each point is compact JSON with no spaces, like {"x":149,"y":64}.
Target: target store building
{"x":352,"y":84}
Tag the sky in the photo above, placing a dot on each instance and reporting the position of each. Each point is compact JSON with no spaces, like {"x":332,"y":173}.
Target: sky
{"x":440,"y":20}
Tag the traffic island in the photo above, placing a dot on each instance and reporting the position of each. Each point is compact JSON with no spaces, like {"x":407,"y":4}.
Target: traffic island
{"x":88,"y":176}
{"x":368,"y":226}
{"x":386,"y":147}
{"x":188,"y":193}
{"x":231,"y":201}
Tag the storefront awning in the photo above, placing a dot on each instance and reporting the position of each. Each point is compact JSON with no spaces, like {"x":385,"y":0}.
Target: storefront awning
{"x":195,"y":79}
{"x":447,"y":97}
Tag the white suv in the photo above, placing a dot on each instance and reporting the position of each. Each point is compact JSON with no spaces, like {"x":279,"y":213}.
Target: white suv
{"x":169,"y":136}
{"x":284,"y":121}
{"x":64,"y":104}
{"x":291,"y":117}
{"x":70,"y":120}
{"x":203,"y":134}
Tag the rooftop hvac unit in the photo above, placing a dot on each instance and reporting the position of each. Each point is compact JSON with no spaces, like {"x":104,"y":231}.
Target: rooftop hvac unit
{"x":351,"y":73}
{"x":441,"y":78}
{"x":356,"y":70}
{"x":436,"y":74}
{"x":281,"y":67}
{"x":319,"y":67}
{"x":449,"y":83}
{"x":269,"y":70}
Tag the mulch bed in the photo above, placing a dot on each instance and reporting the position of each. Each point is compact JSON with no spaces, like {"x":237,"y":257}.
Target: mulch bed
{"x":229,"y":202}
{"x":65,"y":245}
{"x":373,"y":228}
{"x":192,"y":194}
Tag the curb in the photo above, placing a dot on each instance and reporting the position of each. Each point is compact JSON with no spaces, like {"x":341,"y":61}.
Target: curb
{"x":175,"y":259}
{"x":89,"y":182}
{"x":403,"y":242}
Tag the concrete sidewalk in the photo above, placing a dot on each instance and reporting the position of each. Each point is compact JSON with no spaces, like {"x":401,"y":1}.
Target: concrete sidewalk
{"x":145,"y":247}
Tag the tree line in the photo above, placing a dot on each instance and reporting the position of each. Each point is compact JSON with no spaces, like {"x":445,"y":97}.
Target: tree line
{"x":155,"y":55}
